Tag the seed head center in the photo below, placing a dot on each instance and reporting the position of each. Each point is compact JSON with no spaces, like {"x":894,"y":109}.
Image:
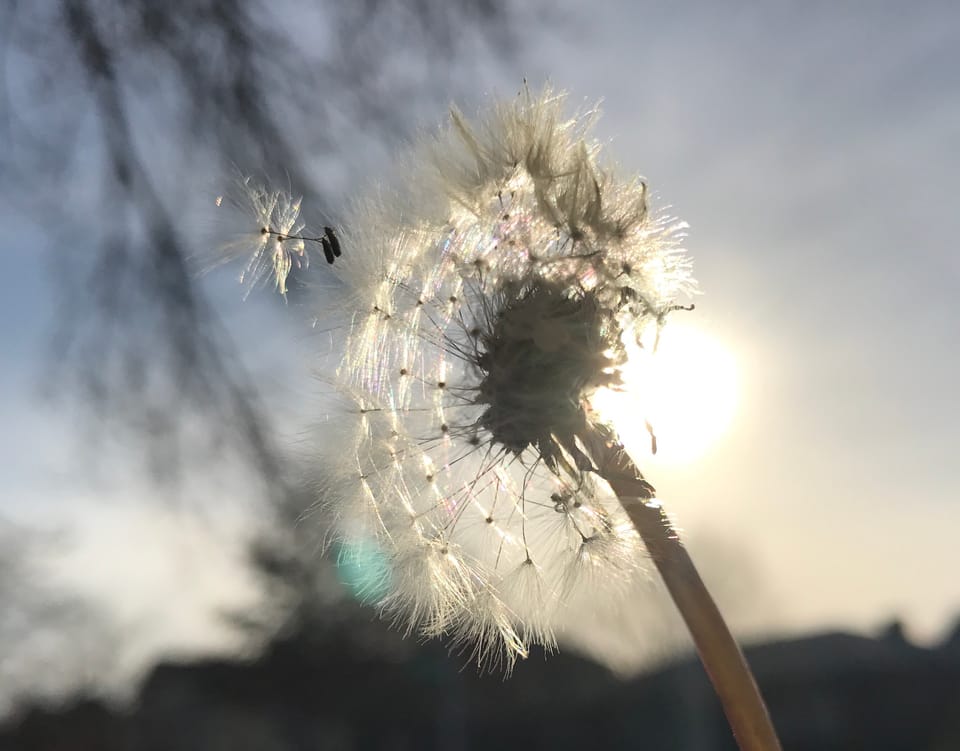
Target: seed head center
{"x":540,"y":356}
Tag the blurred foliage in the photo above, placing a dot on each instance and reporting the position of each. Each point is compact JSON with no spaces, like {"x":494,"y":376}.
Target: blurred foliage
{"x":113,"y":111}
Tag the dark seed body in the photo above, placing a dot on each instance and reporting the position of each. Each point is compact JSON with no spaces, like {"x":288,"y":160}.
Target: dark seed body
{"x":334,"y":241}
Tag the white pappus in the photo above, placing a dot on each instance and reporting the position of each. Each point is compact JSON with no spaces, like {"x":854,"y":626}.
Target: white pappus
{"x":491,"y":286}
{"x":491,"y":289}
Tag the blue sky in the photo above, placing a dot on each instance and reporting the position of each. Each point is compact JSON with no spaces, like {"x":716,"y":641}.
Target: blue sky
{"x":812,"y":147}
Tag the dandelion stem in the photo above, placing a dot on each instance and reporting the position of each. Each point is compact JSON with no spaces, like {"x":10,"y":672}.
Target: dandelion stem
{"x":719,"y":652}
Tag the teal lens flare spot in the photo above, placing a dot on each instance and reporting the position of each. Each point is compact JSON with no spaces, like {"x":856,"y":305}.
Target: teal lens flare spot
{"x":363,"y":569}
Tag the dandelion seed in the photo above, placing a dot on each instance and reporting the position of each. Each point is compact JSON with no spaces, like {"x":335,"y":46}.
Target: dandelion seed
{"x":493,"y":291}
{"x":273,"y":246}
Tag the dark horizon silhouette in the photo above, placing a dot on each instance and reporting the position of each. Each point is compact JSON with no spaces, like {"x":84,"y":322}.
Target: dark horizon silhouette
{"x":826,"y":692}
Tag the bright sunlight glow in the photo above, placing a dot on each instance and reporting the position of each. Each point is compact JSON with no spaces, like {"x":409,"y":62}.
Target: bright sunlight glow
{"x":687,"y":391}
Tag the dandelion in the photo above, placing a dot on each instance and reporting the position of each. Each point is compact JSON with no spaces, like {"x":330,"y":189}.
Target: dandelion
{"x":273,"y":246}
{"x":491,"y":295}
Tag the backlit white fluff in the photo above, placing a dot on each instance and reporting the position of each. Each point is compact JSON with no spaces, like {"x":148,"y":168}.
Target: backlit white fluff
{"x":481,"y":542}
{"x":271,"y":246}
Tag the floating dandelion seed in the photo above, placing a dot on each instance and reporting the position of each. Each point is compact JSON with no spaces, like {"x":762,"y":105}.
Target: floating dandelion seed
{"x":273,"y":245}
{"x":494,"y":293}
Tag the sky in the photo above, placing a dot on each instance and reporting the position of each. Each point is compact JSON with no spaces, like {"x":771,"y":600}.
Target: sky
{"x":812,"y":148}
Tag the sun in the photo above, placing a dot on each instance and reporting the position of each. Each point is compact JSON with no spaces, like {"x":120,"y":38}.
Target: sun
{"x":686,"y":392}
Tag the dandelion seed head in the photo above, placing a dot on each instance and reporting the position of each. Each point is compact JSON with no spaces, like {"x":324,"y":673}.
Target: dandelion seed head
{"x":492,"y":291}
